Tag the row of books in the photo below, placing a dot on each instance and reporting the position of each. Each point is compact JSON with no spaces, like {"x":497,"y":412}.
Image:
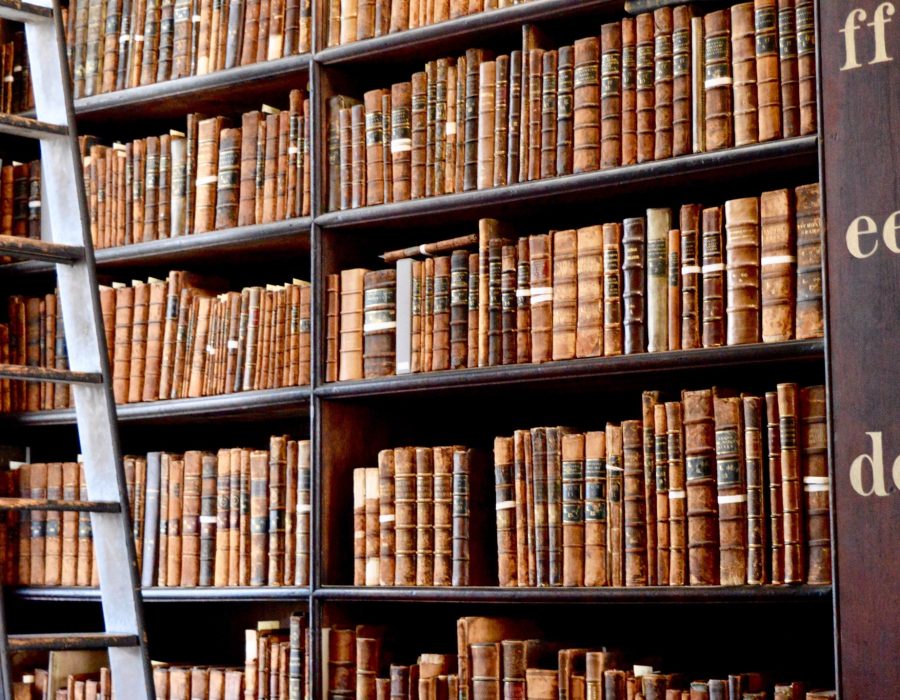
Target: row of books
{"x":724,"y":275}
{"x":663,"y":84}
{"x":412,"y":518}
{"x":20,"y":200}
{"x":276,"y":665}
{"x":182,"y":337}
{"x":126,"y":43}
{"x":715,"y":489}
{"x":352,"y":20}
{"x":15,"y":91}
{"x":508,"y":658}
{"x":236,"y":517}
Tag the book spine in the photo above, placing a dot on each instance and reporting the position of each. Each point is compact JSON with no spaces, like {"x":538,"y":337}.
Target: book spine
{"x":515,"y":125}
{"x":222,"y":497}
{"x":682,"y":93}
{"x":565,"y":110}
{"x":768,"y":81}
{"x":174,"y":535}
{"x":674,"y":289}
{"x":775,"y":502}
{"x":718,"y":81}
{"x":791,"y":480}
{"x":208,"y":519}
{"x":586,"y":138}
{"x":700,"y":468}
{"x":386,"y":155}
{"x":440,"y":331}
{"x":742,"y":274}
{"x":676,"y":495}
{"x":370,"y":559}
{"x":589,"y":276}
{"x":70,"y":492}
{"x":731,"y":481}
{"x":191,"y":495}
{"x":500,"y":121}
{"x":228,"y":179}
{"x":485,"y":670}
{"x":541,"y":284}
{"x":332,"y":326}
{"x":427,"y":323}
{"x":806,"y":66}
{"x":443,"y":515}
{"x":645,"y":89}
{"x":424,"y":516}
{"x":460,"y":533}
{"x":405,"y":505}
{"x":419,"y":131}
{"x":379,"y":323}
{"x":523,"y":525}
{"x":816,"y":484}
{"x":633,"y":247}
{"x":386,"y":518}
{"x":690,"y":277}
{"x":401,"y":140}
{"x":549,"y":117}
{"x":629,"y":92}
{"x":753,"y":459}
{"x":777,"y":265}
{"x":713,"y":268}
{"x":573,"y":509}
{"x":357,"y":157}
{"x":276,"y":510}
{"x":351,"y":324}
{"x":304,"y":507}
{"x":52,"y":528}
{"x":809,"y":263}
{"x":207,"y":178}
{"x":459,"y":292}
{"x":658,"y":223}
{"x":523,"y":301}
{"x":138,"y":342}
{"x":635,"y":507}
{"x":122,"y":353}
{"x":595,"y":510}
{"x":508,"y":273}
{"x":539,"y":470}
{"x":612,"y":290}
{"x":615,"y":486}
{"x":259,"y":517}
{"x":534,"y":107}
{"x":743,"y":52}
{"x":374,"y":147}
{"x":473,"y":310}
{"x":565,"y":294}
{"x":345,"y":157}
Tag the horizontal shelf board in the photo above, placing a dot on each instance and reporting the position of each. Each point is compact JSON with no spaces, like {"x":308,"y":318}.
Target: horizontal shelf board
{"x":462,"y":32}
{"x":596,"y":370}
{"x":164,"y":594}
{"x":650,"y":594}
{"x":268,"y":403}
{"x":289,"y":236}
{"x":690,"y":170}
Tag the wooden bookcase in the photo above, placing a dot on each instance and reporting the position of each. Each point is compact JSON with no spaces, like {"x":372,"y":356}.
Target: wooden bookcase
{"x":789,"y":628}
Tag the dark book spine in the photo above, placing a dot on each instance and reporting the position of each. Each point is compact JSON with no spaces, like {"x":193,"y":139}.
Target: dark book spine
{"x":379,"y":323}
{"x":565,"y":110}
{"x":587,"y":105}
{"x":713,"y":266}
{"x":702,"y":508}
{"x":459,"y":292}
{"x":633,"y":246}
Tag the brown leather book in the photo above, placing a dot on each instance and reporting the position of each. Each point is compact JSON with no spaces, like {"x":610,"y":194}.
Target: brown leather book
{"x":615,"y":512}
{"x":677,"y":536}
{"x":459,"y":301}
{"x":565,"y":110}
{"x":208,"y":131}
{"x":443,"y":515}
{"x":23,"y":571}
{"x":474,"y":310}
{"x":524,"y":526}
{"x":534,"y":111}
{"x":731,"y":481}
{"x":768,"y":83}
{"x":359,"y":526}
{"x":573,"y":503}
{"x":424,"y":516}
{"x":742,"y":278}
{"x":644,"y":87}
{"x":589,"y":276}
{"x":332,"y":326}
{"x":191,"y":492}
{"x":565,"y":293}
{"x":789,"y":69}
{"x":196,"y":358}
{"x":259,"y":517}
{"x":774,"y":500}
{"x":713,"y":268}
{"x":673,"y":289}
{"x":682,"y":84}
{"x":351,"y":324}
{"x":229,"y":179}
{"x":586,"y":138}
{"x":345,"y":155}
{"x":809,"y":263}
{"x":176,"y":472}
{"x":401,"y":140}
{"x":459,"y":166}
{"x":595,"y":509}
{"x":661,"y":478}
{"x":349,"y":20}
{"x":161,"y":574}
{"x":122,"y":352}
{"x":614,"y":684}
{"x":440,"y":330}
{"x":208,"y":521}
{"x":474,"y":58}
{"x":304,"y":485}
{"x":485,"y":124}
{"x":816,"y":484}
{"x":223,"y":497}
{"x":755,"y":466}
{"x":659,"y":222}
{"x":743,"y":52}
{"x":427,"y":324}
{"x":515,"y":126}
{"x":525,"y":454}
{"x":513,"y":658}
{"x":549,"y":67}
{"x":460,"y":561}
{"x":540,"y":495}
{"x":777,"y":265}
{"x":386,"y":157}
{"x":508,"y":305}
{"x":154,"y":344}
{"x":791,"y":483}
{"x":374,"y":129}
{"x":702,"y":509}
{"x":612,"y":290}
{"x":633,"y":247}
{"x":541,"y":684}
{"x":541,"y":285}
{"x":52,"y":528}
{"x":649,"y":399}
{"x":611,"y":104}
{"x":690,"y":276}
{"x":70,"y":492}
{"x":419,"y":134}
{"x":523,"y":301}
{"x":371,"y":529}
{"x":138,"y":341}
{"x":379,"y":323}
{"x":806,"y":66}
{"x":635,"y":509}
{"x":718,"y":81}
{"x":276,"y":509}
{"x":663,"y":83}
{"x":506,"y":511}
{"x":485,"y":670}
{"x":357,"y":156}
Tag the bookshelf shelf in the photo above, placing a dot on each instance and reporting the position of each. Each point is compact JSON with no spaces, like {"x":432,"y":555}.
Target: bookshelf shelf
{"x":163,"y":595}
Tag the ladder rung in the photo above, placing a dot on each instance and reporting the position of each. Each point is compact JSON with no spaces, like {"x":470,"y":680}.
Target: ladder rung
{"x":31,"y":249}
{"x":67,"y":506}
{"x":47,"y":374}
{"x":19,"y":11}
{"x":28,"y":128}
{"x":65,"y":641}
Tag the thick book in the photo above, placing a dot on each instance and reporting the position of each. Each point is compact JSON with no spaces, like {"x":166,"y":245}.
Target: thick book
{"x":682,"y":81}
{"x":731,"y":483}
{"x":633,"y":275}
{"x":644,"y":86}
{"x":718,"y":98}
{"x":753,"y":412}
{"x":506,"y":511}
{"x":379,"y":323}
{"x":565,"y":110}
{"x":586,"y":138}
{"x":742,"y":271}
{"x":352,"y":314}
{"x":565,"y":294}
{"x":663,"y":21}
{"x":743,"y":60}
{"x":634,"y":505}
{"x":589,"y":277}
{"x":612,"y":289}
{"x":659,"y":222}
{"x":816,"y":484}
{"x":424,"y":466}
{"x":768,"y":80}
{"x":573,"y":513}
{"x":806,"y":66}
{"x":787,"y":56}
{"x":713,"y":268}
{"x":443,"y":515}
{"x":700,"y":485}
{"x":595,"y":509}
{"x":777,"y":265}
{"x":405,"y":508}
{"x":549,"y":120}
{"x":809,"y":319}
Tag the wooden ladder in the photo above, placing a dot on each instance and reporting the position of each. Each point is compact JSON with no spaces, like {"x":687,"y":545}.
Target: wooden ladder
{"x":65,"y":207}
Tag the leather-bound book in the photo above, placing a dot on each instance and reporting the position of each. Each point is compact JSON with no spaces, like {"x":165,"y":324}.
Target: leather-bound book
{"x":23,"y":570}
{"x":208,"y":524}
{"x":541,"y":684}
{"x":768,"y":82}
{"x":176,"y":483}
{"x":276,"y":509}
{"x":673,"y":289}
{"x":438,"y":128}
{"x":401,"y":140}
{"x":506,"y":511}
{"x":304,"y":485}
{"x":565,"y":110}
{"x":615,"y":513}
{"x":379,"y":323}
{"x":514,"y":659}
{"x":485,"y":670}
{"x":70,"y":492}
{"x":774,"y":500}
{"x":419,"y":134}
{"x":654,"y":686}
{"x":550,"y":61}
{"x":259,"y":517}
{"x":427,"y":325}
{"x":351,"y":324}
{"x":52,"y":528}
{"x":195,"y":354}
{"x":644,"y":87}
{"x":663,"y":83}
{"x":164,"y":195}
{"x":459,"y":293}
{"x":524,"y":526}
{"x":357,"y":156}
{"x":386,"y":157}
{"x":573,"y":502}
{"x":161,"y":575}
{"x":541,"y":284}
{"x":515,"y":125}
{"x":806,"y":66}
{"x":332,"y":326}
{"x":474,"y":310}
{"x":612,"y":290}
{"x":474,"y":58}
{"x":633,"y":247}
{"x":682,"y":83}
{"x":440,"y":332}
{"x":713,"y":268}
{"x":743,"y":52}
{"x":595,"y":509}
{"x":649,"y":399}
{"x":222,"y":495}
{"x":424,"y":516}
{"x":207,"y":160}
{"x":586,"y":137}
{"x":718,"y":99}
{"x":789,"y":70}
{"x":731,"y":482}
{"x":460,"y":562}
{"x":700,"y":468}
{"x":359,"y":526}
{"x":809,"y":263}
{"x":365,"y":29}
{"x":138,"y":341}
{"x":540,"y":487}
{"x":614,"y":685}
{"x":371,"y":528}
{"x":611,"y":85}
{"x":459,"y":167}
{"x":661,"y":477}
{"x":525,"y":455}
{"x":690,"y":276}
{"x":122,"y":352}
{"x":742,"y":270}
{"x":190,"y":520}
{"x":229,"y":179}
{"x":635,"y":510}
{"x":565,"y":293}
{"x":718,"y":689}
{"x":177,"y":186}
{"x":508,"y":305}
{"x":443,"y":515}
{"x":816,"y":484}
{"x":677,"y":537}
{"x":788,"y":691}
{"x":756,"y":499}
{"x":777,"y":265}
{"x":658,"y":224}
{"x":523,"y":301}
{"x":589,"y":276}
{"x":699,"y":690}
{"x":535,"y":111}
{"x":500,"y":123}
{"x":345,"y":155}
{"x":349,"y":20}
